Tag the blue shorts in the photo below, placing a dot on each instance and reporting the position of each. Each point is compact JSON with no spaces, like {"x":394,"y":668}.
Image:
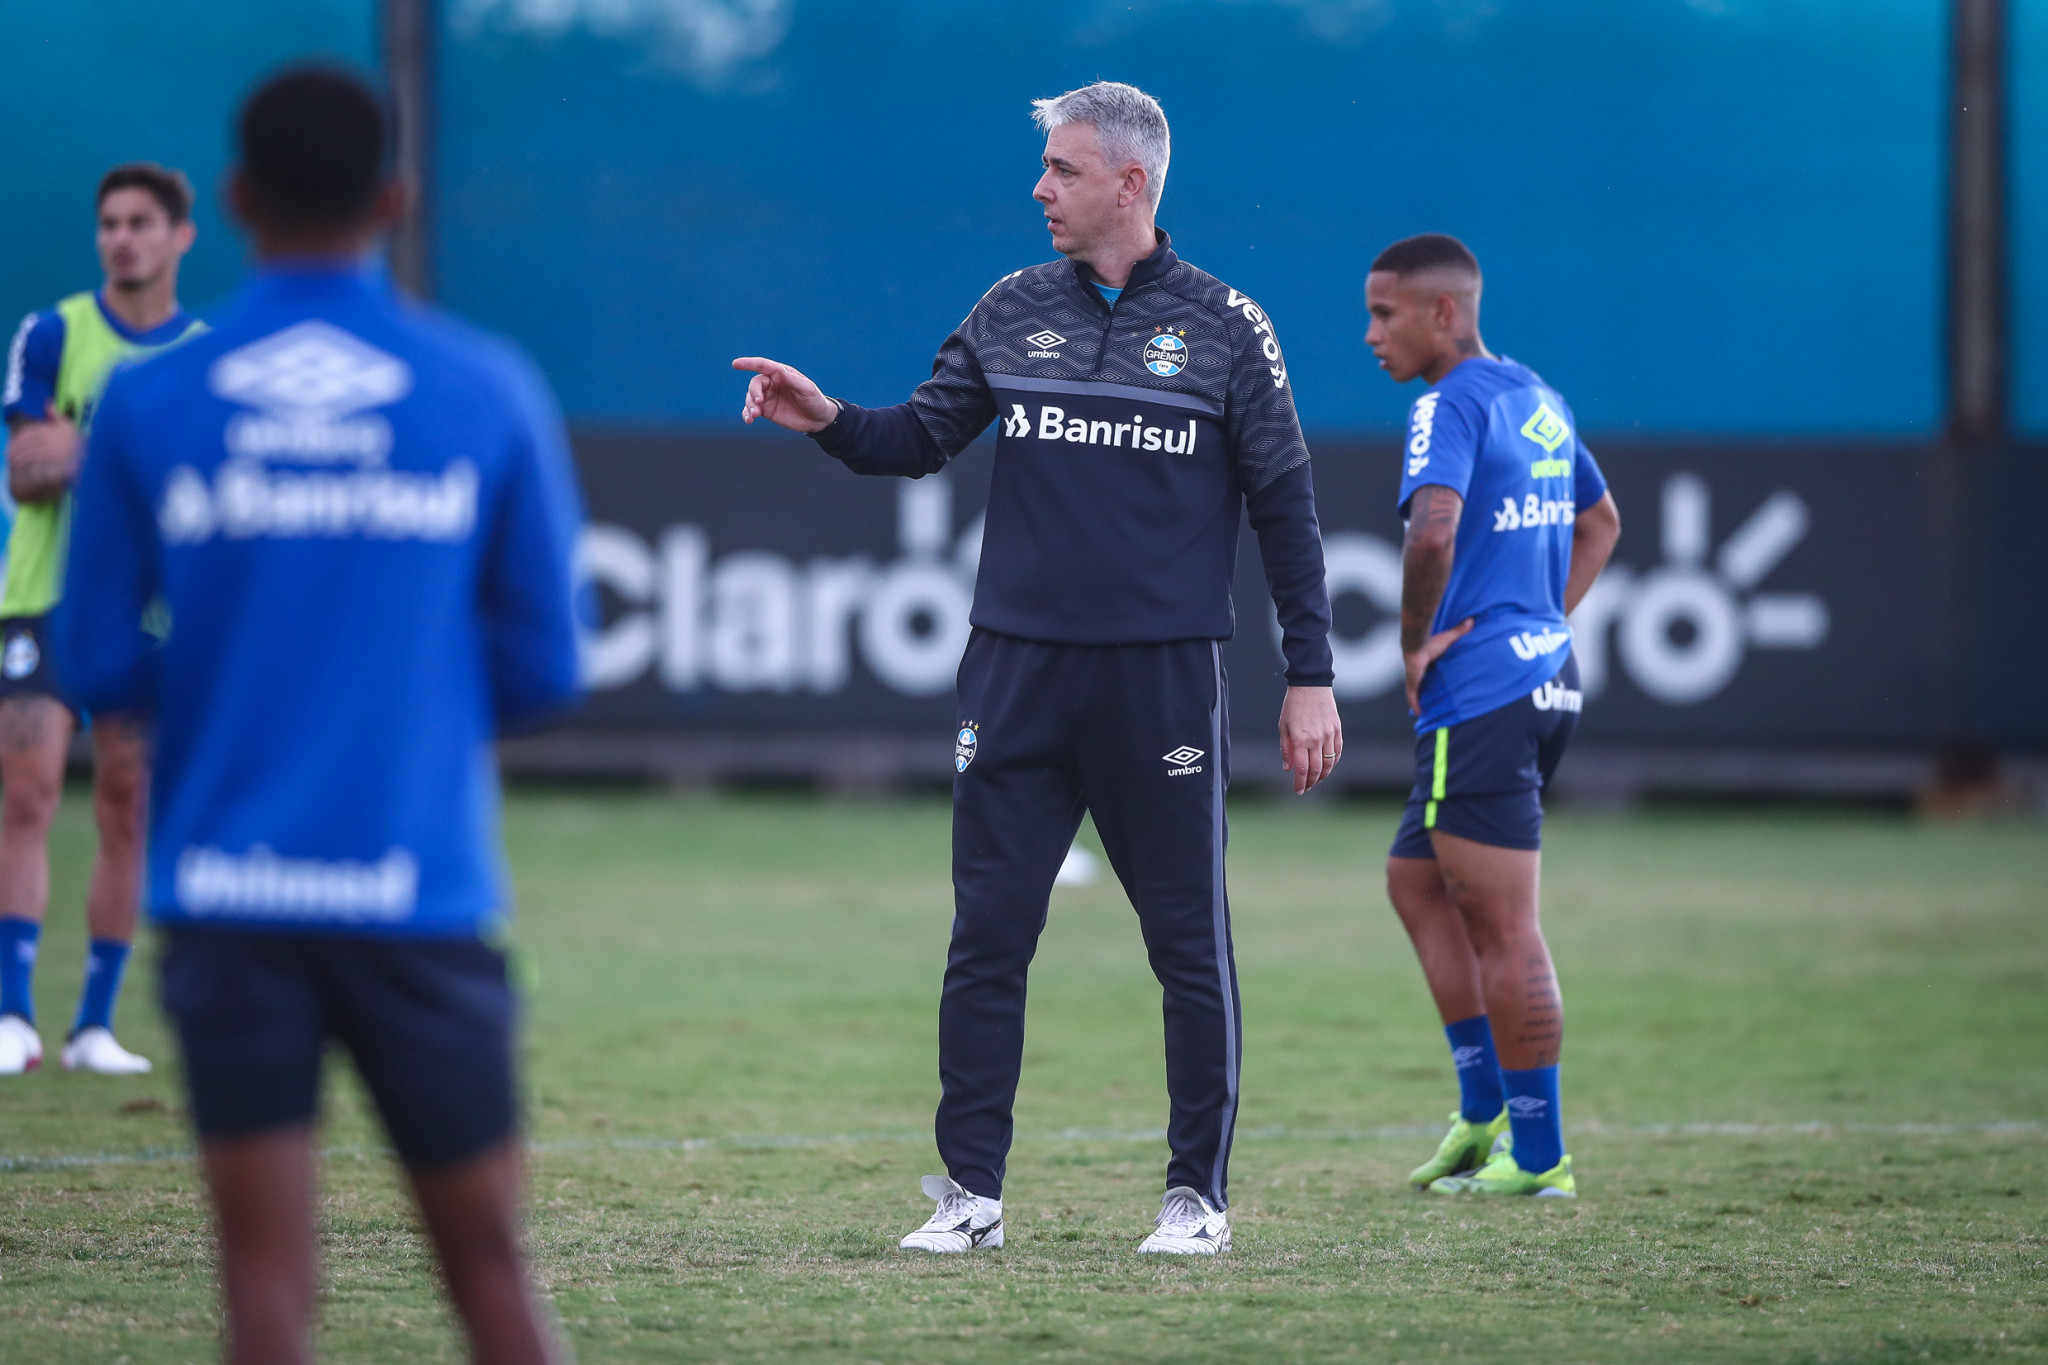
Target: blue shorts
{"x":429,"y":1023}
{"x":26,"y":668}
{"x":1483,"y":779}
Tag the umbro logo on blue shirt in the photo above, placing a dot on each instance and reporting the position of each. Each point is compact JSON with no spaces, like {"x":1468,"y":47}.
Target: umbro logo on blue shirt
{"x":312,"y":368}
{"x":1546,"y":428}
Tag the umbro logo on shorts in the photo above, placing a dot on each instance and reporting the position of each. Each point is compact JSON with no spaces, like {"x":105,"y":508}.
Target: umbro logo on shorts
{"x":1183,"y":761}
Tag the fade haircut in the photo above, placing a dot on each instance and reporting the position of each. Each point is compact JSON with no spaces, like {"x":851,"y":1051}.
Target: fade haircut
{"x":315,"y":144}
{"x":1430,"y":251}
{"x":1128,"y":123}
{"x":171,"y":190}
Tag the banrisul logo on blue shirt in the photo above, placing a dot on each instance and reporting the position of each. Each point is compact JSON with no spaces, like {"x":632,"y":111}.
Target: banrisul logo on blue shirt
{"x":309,"y":395}
{"x":1166,"y":355}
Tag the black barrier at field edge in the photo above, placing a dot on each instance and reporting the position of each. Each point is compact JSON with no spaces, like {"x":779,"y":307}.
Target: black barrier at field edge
{"x":1775,"y":618}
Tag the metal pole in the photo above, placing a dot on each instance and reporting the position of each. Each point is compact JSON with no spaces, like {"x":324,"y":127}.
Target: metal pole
{"x":409,"y":70}
{"x":1965,"y":772}
{"x":1977,"y":303}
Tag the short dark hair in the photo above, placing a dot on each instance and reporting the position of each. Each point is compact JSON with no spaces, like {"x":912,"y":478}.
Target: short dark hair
{"x":1430,"y":251}
{"x":168,"y":187}
{"x":315,"y":144}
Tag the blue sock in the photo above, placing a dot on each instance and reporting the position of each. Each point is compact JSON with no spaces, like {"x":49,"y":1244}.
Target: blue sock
{"x":18,"y":938}
{"x":104,"y":964}
{"x":1479,"y":1092}
{"x":1534,"y":1117}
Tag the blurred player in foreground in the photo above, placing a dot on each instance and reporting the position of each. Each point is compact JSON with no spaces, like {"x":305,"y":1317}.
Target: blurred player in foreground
{"x":1509,"y":522}
{"x":56,"y":368}
{"x":362,"y":517}
{"x":1145,"y":409}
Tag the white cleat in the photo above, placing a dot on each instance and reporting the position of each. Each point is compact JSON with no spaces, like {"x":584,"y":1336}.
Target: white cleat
{"x":94,"y":1049}
{"x":1189,"y":1225}
{"x":964,"y":1222}
{"x":21,"y":1047}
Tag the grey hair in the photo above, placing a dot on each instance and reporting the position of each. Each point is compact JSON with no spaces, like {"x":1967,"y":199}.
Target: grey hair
{"x":1128,"y":123}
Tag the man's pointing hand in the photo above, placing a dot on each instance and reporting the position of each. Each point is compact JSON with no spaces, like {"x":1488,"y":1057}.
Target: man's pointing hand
{"x":784,"y":396}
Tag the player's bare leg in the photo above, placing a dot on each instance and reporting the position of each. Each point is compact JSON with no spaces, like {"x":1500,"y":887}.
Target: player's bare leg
{"x":472,"y":1213}
{"x":120,"y":809}
{"x":34,"y":735}
{"x":1437,"y":930}
{"x":1451,"y":967}
{"x":1496,"y":893}
{"x":262,"y":1189}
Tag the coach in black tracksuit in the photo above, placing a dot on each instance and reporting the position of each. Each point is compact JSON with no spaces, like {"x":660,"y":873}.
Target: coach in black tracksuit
{"x":1138,"y":425}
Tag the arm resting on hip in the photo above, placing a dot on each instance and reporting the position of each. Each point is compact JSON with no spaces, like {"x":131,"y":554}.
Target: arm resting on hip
{"x":1594,"y":532}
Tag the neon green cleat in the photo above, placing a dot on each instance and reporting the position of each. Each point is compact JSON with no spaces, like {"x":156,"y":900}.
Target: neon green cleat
{"x":1463,"y":1149}
{"x":1502,"y":1176}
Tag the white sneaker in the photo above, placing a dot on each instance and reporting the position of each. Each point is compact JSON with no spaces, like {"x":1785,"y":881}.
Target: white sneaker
{"x":964,"y":1222}
{"x":21,"y":1047}
{"x":94,"y":1049}
{"x":1188,"y":1226}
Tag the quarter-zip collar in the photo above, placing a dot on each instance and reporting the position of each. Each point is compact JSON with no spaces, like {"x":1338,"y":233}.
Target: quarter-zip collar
{"x":1152,"y":268}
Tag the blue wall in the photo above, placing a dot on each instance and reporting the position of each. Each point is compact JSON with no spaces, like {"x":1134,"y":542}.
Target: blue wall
{"x":2029,"y":170}
{"x":1719,"y":216}
{"x":92,"y":84}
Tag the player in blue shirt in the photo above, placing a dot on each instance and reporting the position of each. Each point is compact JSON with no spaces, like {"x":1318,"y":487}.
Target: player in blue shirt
{"x":1509,"y":522}
{"x":362,"y":518}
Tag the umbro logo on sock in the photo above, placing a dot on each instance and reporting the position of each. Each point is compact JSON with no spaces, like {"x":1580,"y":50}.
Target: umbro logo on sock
{"x":1527,"y":1106}
{"x":1464,"y":1057}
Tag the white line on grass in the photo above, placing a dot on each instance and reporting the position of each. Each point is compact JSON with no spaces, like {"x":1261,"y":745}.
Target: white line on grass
{"x":740,"y":1143}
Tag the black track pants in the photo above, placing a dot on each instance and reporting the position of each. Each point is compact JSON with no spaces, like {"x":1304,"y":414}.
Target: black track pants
{"x":1137,"y":736}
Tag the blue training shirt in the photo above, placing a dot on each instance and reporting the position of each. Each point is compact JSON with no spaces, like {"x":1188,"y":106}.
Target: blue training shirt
{"x":362,"y":516}
{"x":1494,"y":433}
{"x":30,"y":385}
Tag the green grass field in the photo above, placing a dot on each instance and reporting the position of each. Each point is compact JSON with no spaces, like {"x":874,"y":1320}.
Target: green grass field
{"x":1806,"y":1086}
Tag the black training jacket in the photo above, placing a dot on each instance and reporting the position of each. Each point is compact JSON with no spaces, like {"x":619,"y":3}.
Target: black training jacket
{"x":1132,"y":439}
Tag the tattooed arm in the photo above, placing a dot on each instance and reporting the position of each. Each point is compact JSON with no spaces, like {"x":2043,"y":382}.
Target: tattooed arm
{"x":1426,"y":555}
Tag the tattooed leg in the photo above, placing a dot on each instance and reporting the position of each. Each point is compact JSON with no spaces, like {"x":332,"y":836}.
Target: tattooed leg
{"x":1495,"y":890}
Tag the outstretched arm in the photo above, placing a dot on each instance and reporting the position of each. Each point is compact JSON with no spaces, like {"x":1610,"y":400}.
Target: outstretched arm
{"x":865,"y":440}
{"x":785,"y":396}
{"x":1426,"y":555}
